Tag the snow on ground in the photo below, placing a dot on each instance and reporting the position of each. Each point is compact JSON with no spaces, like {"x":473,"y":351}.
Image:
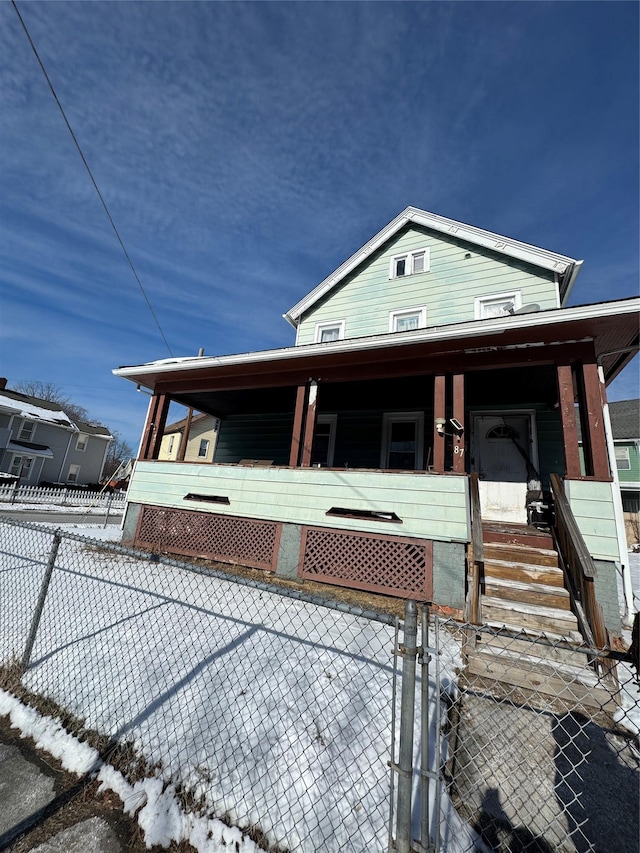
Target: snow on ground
{"x":6,"y":507}
{"x":273,"y":713}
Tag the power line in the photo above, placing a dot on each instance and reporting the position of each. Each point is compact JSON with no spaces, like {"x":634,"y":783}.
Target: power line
{"x":93,"y":180}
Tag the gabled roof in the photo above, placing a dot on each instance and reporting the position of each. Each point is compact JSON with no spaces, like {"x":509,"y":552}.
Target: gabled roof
{"x":178,"y":426}
{"x":567,"y":269}
{"x":98,"y":430}
{"x":625,"y":419}
{"x":34,"y":409}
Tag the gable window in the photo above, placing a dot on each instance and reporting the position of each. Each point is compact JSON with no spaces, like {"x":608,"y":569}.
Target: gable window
{"x":409,"y":263}
{"x":26,"y":431}
{"x":330,"y":331}
{"x":498,"y":305}
{"x":74,"y":473}
{"x":407,"y":319}
{"x":204,"y":448}
{"x":402,"y":441}
{"x":81,"y":442}
{"x":623,"y":462}
{"x":324,"y":439}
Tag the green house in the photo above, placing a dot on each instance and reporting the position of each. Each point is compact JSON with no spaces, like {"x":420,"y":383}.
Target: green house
{"x":625,"y":429}
{"x":436,"y":384}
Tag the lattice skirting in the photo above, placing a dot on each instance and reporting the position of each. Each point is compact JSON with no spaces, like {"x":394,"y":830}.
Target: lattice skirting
{"x":386,"y":564}
{"x":229,"y":539}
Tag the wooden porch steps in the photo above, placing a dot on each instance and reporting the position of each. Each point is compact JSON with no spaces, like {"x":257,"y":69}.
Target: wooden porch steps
{"x":533,"y":636}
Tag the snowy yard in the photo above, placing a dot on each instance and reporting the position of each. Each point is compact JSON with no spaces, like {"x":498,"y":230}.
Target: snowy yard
{"x":271,"y":713}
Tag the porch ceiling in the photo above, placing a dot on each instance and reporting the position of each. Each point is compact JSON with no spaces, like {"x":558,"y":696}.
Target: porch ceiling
{"x":544,"y":338}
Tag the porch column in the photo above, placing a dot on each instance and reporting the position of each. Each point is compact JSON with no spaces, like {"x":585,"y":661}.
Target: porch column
{"x":594,"y":422}
{"x":568,"y":415}
{"x":296,"y":438}
{"x":184,"y":438}
{"x":438,"y":419}
{"x":310,"y":425}
{"x":154,"y":427}
{"x":459,"y":442}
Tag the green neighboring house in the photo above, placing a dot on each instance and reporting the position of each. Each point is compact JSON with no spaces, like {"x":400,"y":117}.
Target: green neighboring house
{"x":625,"y":427}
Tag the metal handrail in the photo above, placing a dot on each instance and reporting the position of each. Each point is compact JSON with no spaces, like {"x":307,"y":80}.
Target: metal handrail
{"x":477,"y":551}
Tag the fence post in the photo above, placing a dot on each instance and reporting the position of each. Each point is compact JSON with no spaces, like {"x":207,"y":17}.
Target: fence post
{"x":426,"y":773}
{"x":35,"y":622}
{"x":407,"y":713}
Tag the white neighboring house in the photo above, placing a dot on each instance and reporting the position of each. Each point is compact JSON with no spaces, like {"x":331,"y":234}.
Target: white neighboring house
{"x":39,"y":442}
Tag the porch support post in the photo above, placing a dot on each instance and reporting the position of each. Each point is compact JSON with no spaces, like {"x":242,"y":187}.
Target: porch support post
{"x":296,"y":438}
{"x":184,"y":438}
{"x":154,"y":427}
{"x":438,"y":416}
{"x":568,"y":415}
{"x":595,"y":422}
{"x":459,"y":440}
{"x":310,"y":425}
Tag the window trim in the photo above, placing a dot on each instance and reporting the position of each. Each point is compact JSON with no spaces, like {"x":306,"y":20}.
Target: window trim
{"x":25,"y":459}
{"x":76,"y":472}
{"x":84,"y":435}
{"x":480,"y":301}
{"x":332,"y":420}
{"x":626,"y":454}
{"x":206,"y":443}
{"x":32,"y":432}
{"x":329,"y":324}
{"x":408,"y":256}
{"x":421,"y":312}
{"x":388,"y":418}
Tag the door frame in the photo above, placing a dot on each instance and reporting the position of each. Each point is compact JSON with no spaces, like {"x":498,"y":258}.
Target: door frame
{"x":505,"y":413}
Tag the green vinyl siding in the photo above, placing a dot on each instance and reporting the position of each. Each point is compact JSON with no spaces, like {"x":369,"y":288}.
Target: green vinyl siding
{"x":448,"y":290}
{"x":592,"y":505}
{"x":263,"y":436}
{"x":430,"y":506}
{"x":632,"y":474}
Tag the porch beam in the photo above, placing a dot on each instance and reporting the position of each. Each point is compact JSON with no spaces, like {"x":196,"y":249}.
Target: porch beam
{"x":569,"y":427}
{"x":310,"y":425}
{"x":459,"y":440}
{"x":595,"y":422}
{"x":296,"y":438}
{"x":154,"y":426}
{"x":438,"y":417}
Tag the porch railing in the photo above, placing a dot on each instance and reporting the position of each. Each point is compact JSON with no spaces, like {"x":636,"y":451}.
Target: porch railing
{"x":476,"y":558}
{"x":579,"y":569}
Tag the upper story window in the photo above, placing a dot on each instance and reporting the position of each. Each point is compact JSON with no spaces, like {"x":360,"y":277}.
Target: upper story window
{"x":407,"y":319}
{"x":623,"y":462}
{"x":203,"y":449}
{"x":81,"y":442}
{"x":409,"y":263}
{"x":26,"y":431}
{"x":329,"y":331}
{"x":497,"y":305}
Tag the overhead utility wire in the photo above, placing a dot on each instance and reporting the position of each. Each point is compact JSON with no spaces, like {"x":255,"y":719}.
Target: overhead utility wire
{"x":93,"y":181}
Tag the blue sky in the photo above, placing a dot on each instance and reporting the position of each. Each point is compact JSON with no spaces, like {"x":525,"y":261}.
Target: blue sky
{"x":246,"y":150}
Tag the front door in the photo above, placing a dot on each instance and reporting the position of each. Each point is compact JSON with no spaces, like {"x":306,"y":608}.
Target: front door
{"x":503,"y":455}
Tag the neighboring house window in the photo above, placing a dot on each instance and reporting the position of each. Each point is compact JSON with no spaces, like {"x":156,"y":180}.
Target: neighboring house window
{"x":623,"y":462}
{"x":324,"y":439}
{"x":21,"y":466}
{"x":331,"y":331}
{"x":630,"y":501}
{"x":171,"y":440}
{"x":74,"y":473}
{"x":26,"y":431}
{"x":204,"y":448}
{"x":409,"y":263}
{"x":402,"y":440}
{"x":407,"y":319}
{"x":499,"y":305}
{"x":81,"y":442}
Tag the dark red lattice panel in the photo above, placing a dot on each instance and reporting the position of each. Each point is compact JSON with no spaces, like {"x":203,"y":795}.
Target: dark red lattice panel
{"x":229,"y":539}
{"x":387,"y":564}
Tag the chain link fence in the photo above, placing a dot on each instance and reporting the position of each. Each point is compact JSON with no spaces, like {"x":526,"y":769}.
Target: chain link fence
{"x":277,"y":712}
{"x":264,"y":708}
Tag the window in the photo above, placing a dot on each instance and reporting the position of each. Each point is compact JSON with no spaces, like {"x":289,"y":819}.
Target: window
{"x":409,"y":263}
{"x":204,"y":448}
{"x":21,"y":466}
{"x":500,"y":305}
{"x":330,"y":331}
{"x":74,"y":473}
{"x":623,"y":463}
{"x":407,"y":319}
{"x":81,"y":442}
{"x":324,"y":439}
{"x":402,"y":440}
{"x":26,"y":431}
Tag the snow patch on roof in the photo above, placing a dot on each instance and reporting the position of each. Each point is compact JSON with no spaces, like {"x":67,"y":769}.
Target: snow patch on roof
{"x":36,"y":413}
